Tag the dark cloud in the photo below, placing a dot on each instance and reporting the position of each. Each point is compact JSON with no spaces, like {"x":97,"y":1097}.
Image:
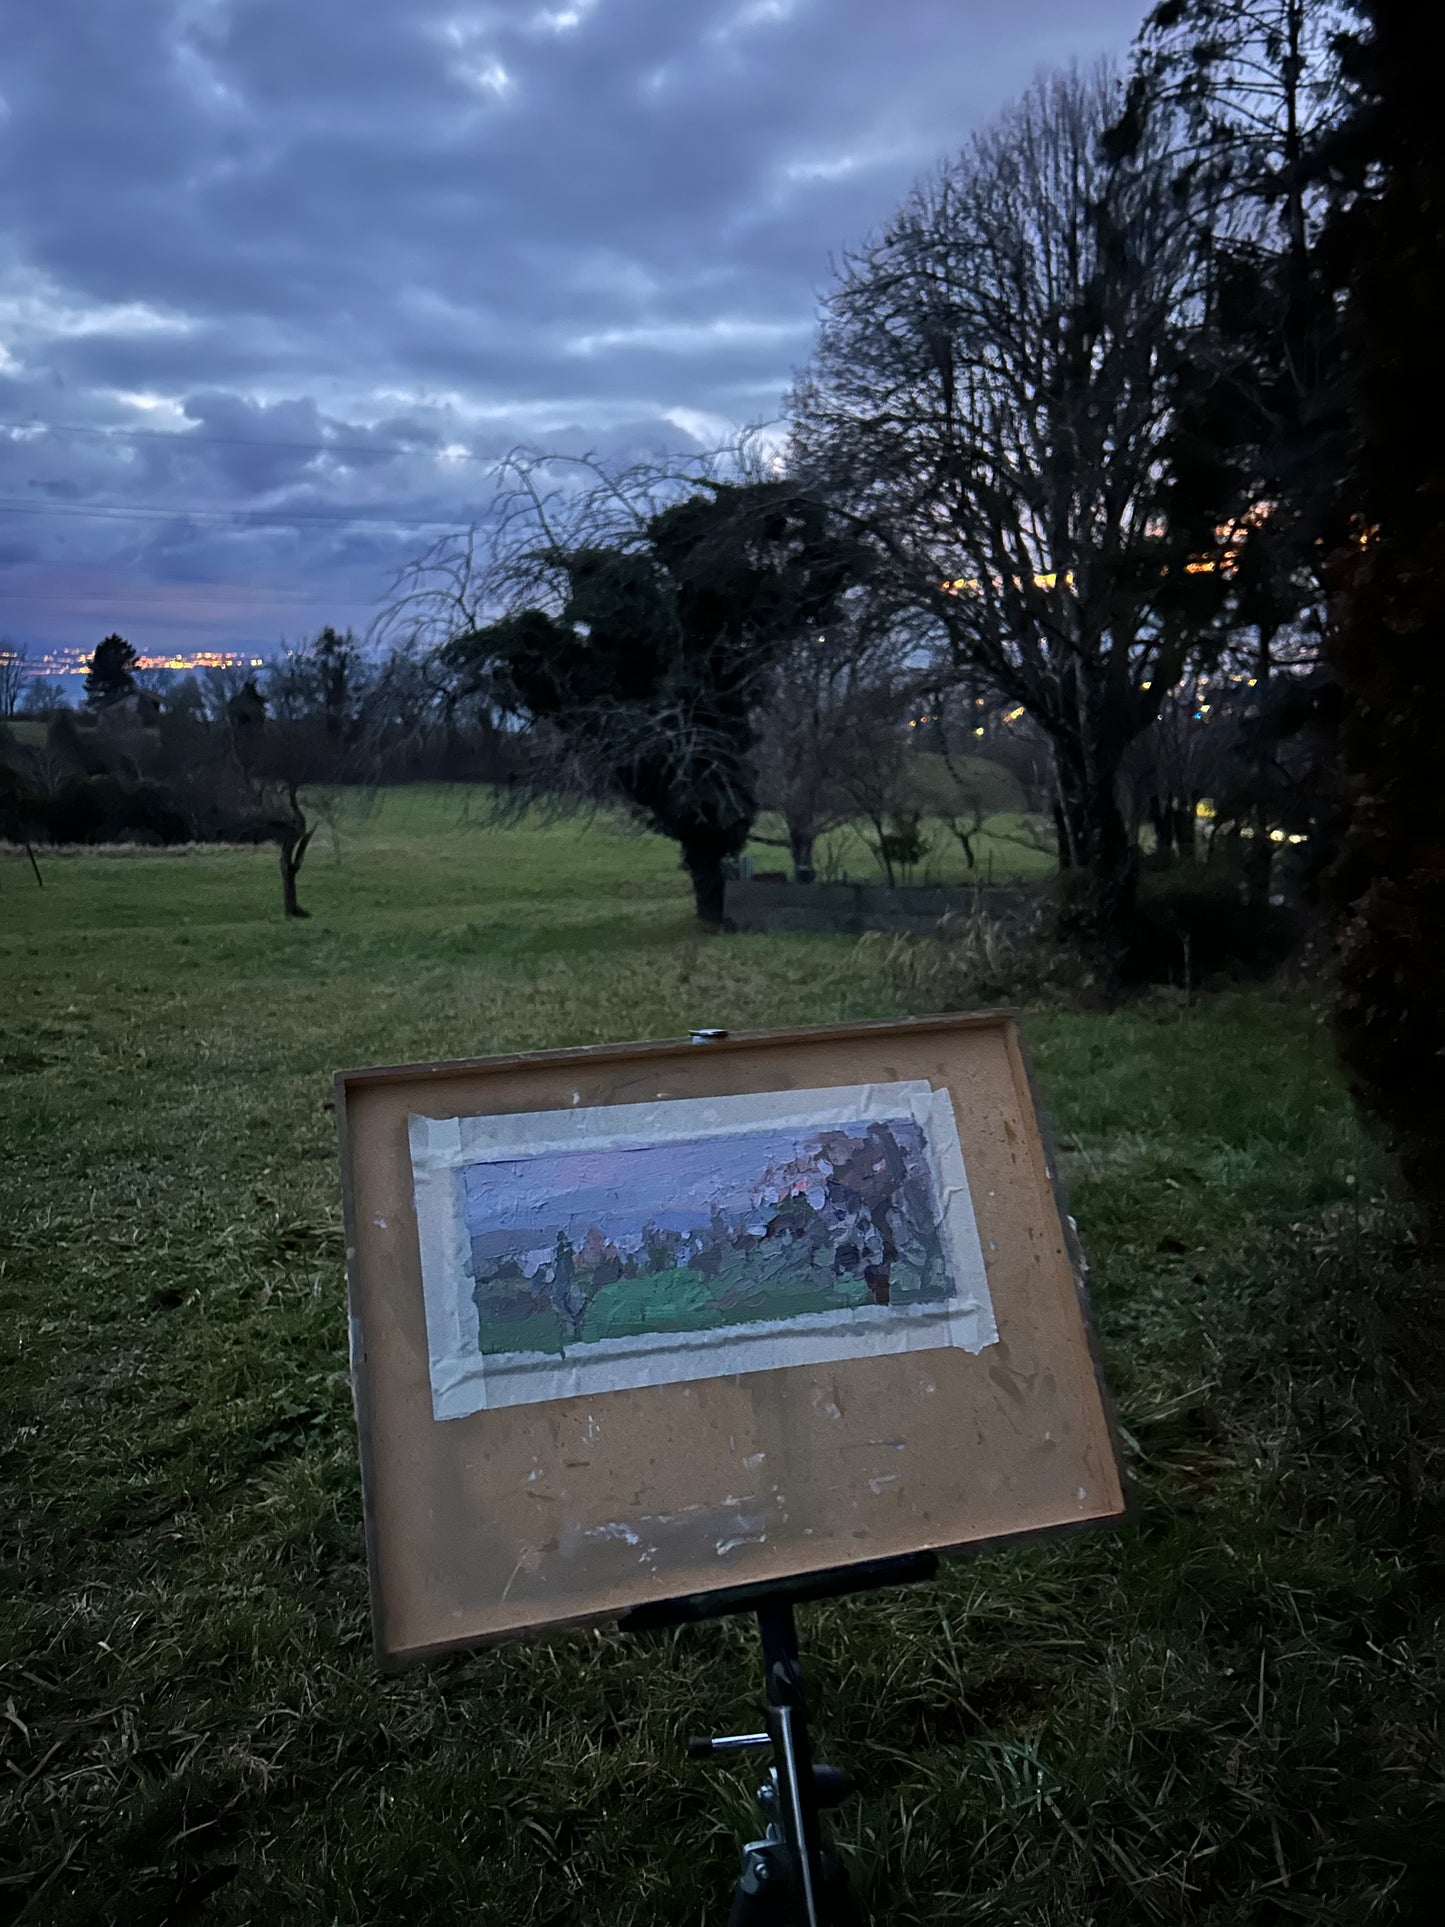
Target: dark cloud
{"x":270,"y":264}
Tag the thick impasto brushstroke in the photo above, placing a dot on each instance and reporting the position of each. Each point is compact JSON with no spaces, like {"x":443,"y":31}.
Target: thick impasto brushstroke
{"x":568,"y":1248}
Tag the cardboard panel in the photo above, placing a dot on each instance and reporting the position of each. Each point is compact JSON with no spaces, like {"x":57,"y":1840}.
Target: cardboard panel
{"x":539,"y":1515}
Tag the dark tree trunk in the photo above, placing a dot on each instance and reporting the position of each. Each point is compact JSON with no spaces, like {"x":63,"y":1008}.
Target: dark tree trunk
{"x":800,"y":846}
{"x":885,"y":850}
{"x":1162,"y":819}
{"x":1098,"y":907}
{"x":1258,"y":863}
{"x":293,"y":854}
{"x":709,"y":886}
{"x":1064,"y":851}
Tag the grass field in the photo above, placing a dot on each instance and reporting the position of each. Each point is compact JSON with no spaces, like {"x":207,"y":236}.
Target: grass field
{"x":1009,"y":849}
{"x":1221,"y":1714}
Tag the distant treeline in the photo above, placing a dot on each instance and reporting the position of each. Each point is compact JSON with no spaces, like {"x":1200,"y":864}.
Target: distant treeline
{"x":234,"y":757}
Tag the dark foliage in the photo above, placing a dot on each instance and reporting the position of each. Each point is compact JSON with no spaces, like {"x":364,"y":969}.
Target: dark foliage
{"x":95,"y":809}
{"x":92,"y":785}
{"x":651,"y":670}
{"x":20,"y":812}
{"x":1245,"y":97}
{"x":1387,"y":639}
{"x":111,"y":674}
{"x":1192,"y":928}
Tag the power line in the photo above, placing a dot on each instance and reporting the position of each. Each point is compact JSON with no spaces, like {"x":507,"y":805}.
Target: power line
{"x":97,"y":599}
{"x":242,"y":518}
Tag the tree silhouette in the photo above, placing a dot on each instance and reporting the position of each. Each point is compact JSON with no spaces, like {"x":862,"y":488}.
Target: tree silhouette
{"x":642,"y":649}
{"x":1386,"y":643}
{"x":989,"y":396}
{"x":111,"y":672}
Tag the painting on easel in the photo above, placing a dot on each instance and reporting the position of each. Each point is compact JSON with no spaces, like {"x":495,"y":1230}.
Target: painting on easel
{"x":627,"y":1245}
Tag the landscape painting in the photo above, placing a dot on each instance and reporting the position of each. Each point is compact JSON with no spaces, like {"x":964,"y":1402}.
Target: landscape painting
{"x":619,"y":1258}
{"x":575,"y":1247}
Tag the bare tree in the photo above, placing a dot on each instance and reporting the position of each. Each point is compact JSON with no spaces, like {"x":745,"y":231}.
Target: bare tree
{"x":283,"y":770}
{"x":218,"y":687}
{"x":989,"y":396}
{"x":409,"y":706}
{"x":835,"y":709}
{"x":41,"y":695}
{"x":882,"y":797}
{"x":297,"y":747}
{"x":1173,"y":765}
{"x":14,"y":674}
{"x":327,"y":680}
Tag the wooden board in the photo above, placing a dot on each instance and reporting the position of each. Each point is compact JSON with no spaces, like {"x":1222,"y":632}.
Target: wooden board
{"x":534,"y":1516}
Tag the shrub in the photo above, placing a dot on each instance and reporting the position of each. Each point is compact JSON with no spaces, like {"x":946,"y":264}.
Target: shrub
{"x":966,"y":960}
{"x":1191,"y":925}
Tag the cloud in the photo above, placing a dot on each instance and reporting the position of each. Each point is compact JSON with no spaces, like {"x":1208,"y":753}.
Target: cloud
{"x":561,"y":19}
{"x":686,"y":338}
{"x":281,"y":277}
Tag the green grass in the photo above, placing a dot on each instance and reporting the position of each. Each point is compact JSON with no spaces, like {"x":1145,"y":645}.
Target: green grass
{"x":1221,"y":1714}
{"x":676,"y":1300}
{"x":1008,"y":849}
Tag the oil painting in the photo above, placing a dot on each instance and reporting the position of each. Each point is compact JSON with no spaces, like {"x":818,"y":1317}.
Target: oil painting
{"x":599,"y":1249}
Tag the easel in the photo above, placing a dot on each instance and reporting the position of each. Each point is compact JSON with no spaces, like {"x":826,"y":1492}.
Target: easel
{"x":427,"y":1485}
{"x":789,"y":1876}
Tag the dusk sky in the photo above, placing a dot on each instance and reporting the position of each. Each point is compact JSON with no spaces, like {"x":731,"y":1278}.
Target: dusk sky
{"x":279,"y":277}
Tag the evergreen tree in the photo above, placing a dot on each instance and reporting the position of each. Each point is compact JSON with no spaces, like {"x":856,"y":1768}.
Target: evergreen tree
{"x":1245,"y":95}
{"x":111,"y":672}
{"x":651,"y":669}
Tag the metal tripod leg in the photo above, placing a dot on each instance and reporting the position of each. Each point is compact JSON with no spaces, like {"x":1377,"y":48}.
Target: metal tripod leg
{"x":789,"y":1879}
{"x":787,"y":1721}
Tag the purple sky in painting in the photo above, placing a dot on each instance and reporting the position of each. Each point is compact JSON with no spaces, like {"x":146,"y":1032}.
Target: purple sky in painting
{"x":673,"y":1186}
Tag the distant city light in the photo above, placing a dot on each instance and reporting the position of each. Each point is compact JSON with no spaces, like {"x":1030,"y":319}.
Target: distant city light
{"x":75,"y":662}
